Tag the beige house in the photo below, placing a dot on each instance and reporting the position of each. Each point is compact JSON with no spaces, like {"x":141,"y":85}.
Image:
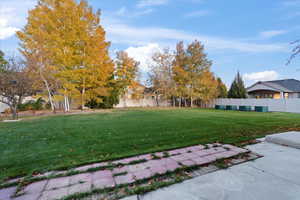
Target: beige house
{"x":141,"y":96}
{"x":277,"y":89}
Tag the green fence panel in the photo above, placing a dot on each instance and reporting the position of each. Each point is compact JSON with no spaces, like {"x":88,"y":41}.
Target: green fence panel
{"x":245,"y":108}
{"x":261,"y":108}
{"x":231,"y":107}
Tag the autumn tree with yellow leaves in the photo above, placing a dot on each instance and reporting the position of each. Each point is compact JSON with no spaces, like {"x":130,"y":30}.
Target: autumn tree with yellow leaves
{"x":192,"y":73}
{"x":126,"y":74}
{"x":68,"y":43}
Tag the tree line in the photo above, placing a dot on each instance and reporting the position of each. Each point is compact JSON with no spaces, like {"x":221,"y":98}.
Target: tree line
{"x":66,"y":59}
{"x":185,"y":76}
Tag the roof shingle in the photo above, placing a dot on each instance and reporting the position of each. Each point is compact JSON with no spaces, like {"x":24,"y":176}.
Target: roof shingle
{"x":286,"y":85}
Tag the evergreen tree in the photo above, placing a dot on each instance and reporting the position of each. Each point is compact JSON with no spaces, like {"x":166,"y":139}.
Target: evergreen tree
{"x":237,"y":89}
{"x":3,"y":62}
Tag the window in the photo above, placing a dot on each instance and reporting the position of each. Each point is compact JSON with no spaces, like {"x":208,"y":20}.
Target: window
{"x":286,"y":95}
{"x":276,"y":96}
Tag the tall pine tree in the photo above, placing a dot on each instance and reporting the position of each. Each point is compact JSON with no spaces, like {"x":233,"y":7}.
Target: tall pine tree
{"x":237,"y":89}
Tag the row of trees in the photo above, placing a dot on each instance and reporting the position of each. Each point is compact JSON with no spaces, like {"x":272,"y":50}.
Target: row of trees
{"x":67,"y":55}
{"x":185,"y":74}
{"x":66,"y":59}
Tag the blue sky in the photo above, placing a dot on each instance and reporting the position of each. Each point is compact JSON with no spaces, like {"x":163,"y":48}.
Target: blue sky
{"x":252,"y":36}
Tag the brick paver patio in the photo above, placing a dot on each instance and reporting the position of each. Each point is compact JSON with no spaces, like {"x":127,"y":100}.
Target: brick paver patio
{"x":146,"y":166}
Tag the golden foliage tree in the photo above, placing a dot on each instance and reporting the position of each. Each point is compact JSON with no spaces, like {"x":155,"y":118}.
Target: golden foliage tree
{"x":68,"y":41}
{"x":126,"y":73}
{"x":207,"y":87}
{"x":192,"y":72}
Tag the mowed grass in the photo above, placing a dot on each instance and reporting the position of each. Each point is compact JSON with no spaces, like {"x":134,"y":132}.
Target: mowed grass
{"x":64,"y":141}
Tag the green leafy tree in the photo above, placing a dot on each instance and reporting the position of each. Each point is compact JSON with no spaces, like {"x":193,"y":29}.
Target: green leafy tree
{"x":222,"y":89}
{"x":237,"y":89}
{"x":108,"y":101}
{"x":3,"y":62}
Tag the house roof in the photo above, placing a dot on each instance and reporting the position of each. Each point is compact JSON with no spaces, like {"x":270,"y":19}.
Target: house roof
{"x":286,"y":85}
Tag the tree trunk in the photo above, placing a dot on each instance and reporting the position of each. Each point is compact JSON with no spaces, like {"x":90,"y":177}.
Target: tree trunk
{"x":65,"y":104}
{"x":124,"y":100}
{"x":50,"y":96}
{"x":14,"y":112}
{"x":157,"y":101}
{"x":192,"y":105}
{"x":82,"y":98}
{"x":180,"y":102}
{"x":68,"y":104}
{"x":173,"y":101}
{"x":49,"y":92}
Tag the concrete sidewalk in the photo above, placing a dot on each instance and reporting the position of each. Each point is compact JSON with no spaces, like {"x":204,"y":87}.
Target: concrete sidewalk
{"x":276,"y":176}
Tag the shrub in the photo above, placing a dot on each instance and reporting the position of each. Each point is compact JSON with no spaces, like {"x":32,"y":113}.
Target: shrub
{"x":107,"y":101}
{"x":32,"y":105}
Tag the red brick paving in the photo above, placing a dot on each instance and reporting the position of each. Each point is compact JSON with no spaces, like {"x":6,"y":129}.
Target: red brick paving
{"x":84,"y":182}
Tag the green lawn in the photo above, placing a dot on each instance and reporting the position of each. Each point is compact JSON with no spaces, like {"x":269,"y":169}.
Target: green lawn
{"x":63,"y":141}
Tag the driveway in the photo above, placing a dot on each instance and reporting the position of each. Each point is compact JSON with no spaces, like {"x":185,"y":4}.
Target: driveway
{"x":276,"y":176}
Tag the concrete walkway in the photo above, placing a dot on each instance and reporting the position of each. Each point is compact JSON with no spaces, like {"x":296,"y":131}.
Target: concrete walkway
{"x":276,"y":176}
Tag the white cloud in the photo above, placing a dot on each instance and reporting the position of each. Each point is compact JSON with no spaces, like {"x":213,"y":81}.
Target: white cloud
{"x":7,"y":31}
{"x":121,"y":33}
{"x":148,"y":3}
{"x":124,"y":12}
{"x":261,"y":76}
{"x":143,"y":54}
{"x":13,"y":16}
{"x":198,"y":13}
{"x":272,"y":33}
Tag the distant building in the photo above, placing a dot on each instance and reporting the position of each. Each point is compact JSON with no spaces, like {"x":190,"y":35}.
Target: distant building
{"x":141,"y":96}
{"x":277,"y":89}
{"x":3,"y":107}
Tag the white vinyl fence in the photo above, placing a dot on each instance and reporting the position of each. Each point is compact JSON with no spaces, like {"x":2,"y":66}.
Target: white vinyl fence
{"x":275,"y":105}
{"x":141,"y":103}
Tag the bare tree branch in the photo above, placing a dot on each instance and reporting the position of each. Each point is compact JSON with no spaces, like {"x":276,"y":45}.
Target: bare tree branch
{"x":15,"y":84}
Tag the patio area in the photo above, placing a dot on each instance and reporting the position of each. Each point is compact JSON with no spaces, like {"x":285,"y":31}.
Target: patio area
{"x":274,"y":176}
{"x":97,"y":178}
